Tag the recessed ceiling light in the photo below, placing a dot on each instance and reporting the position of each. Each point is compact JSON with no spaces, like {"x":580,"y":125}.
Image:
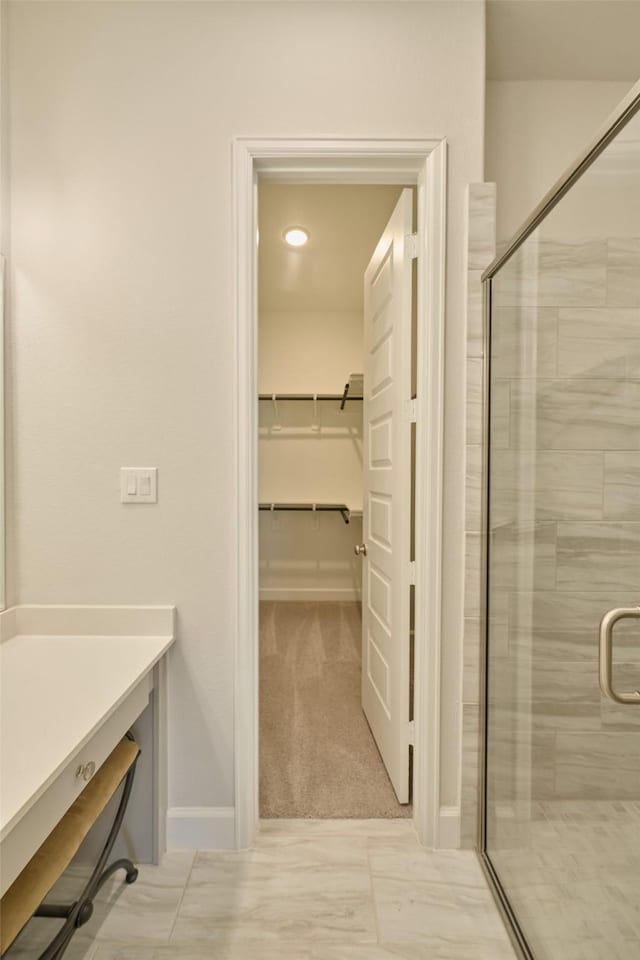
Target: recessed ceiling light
{"x":296,"y":236}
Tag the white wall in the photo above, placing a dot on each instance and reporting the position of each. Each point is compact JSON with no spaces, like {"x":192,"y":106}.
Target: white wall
{"x":535,"y":130}
{"x":5,"y":491}
{"x":122,"y":120}
{"x":309,"y":453}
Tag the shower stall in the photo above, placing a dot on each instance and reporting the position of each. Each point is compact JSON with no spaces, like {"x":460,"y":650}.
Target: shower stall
{"x":560,"y":824}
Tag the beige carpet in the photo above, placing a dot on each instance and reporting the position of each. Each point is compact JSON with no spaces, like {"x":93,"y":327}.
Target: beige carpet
{"x":317,"y":755}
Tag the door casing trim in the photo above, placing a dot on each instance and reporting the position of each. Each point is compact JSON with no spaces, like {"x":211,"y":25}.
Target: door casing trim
{"x":423,"y":163}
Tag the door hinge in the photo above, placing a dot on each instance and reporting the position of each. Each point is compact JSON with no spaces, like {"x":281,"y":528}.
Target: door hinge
{"x":411,"y":410}
{"x":411,"y":241}
{"x":412,"y":573}
{"x":411,"y":729}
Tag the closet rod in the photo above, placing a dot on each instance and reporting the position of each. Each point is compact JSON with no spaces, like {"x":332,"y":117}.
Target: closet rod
{"x":340,"y":508}
{"x":305,"y":396}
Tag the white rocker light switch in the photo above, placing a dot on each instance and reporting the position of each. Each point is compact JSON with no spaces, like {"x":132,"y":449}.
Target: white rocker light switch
{"x":139,"y":484}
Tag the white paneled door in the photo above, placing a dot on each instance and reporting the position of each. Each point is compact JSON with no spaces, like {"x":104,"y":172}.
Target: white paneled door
{"x":387,"y":494}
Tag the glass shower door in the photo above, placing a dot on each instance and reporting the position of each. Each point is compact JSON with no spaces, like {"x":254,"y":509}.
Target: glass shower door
{"x":562,"y":763}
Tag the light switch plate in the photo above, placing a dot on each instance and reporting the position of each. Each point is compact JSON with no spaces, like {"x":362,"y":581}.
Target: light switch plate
{"x":139,"y":484}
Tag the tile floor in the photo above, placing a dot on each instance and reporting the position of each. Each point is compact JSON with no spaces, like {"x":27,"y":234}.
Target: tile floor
{"x":308,"y":890}
{"x":572,"y":870}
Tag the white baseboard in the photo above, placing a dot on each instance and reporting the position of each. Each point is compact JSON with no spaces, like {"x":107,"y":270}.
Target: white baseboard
{"x":449,"y":829}
{"x":201,"y":828}
{"x":306,"y":594}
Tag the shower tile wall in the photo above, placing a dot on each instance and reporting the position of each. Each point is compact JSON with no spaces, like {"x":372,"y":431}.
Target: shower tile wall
{"x":567,"y":400}
{"x":481,"y":219}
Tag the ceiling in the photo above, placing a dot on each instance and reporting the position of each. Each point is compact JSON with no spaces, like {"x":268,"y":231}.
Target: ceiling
{"x":563,"y":40}
{"x":344,"y":223}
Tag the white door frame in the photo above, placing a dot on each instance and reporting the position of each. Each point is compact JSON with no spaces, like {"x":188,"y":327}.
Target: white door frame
{"x":422,"y":162}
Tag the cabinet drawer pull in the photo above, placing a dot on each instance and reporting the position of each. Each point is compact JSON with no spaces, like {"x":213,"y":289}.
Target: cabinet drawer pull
{"x":86,"y":770}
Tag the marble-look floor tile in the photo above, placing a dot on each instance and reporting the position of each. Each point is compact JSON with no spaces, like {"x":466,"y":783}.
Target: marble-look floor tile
{"x":572,"y":878}
{"x":430,"y":949}
{"x":311,"y":828}
{"x":417,"y":909}
{"x":38,"y":935}
{"x":210,"y":950}
{"x":431,"y":894}
{"x":146,"y":910}
{"x":295,"y":890}
{"x":453,"y":947}
{"x":312,"y":891}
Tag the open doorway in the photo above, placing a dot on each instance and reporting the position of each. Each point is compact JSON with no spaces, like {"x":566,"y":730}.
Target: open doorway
{"x":344,"y":161}
{"x":336,"y":335}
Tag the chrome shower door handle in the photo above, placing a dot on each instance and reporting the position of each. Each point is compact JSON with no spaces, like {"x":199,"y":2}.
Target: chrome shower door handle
{"x":607,"y":624}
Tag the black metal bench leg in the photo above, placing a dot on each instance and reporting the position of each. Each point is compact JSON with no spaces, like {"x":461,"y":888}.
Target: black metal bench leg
{"x":79,"y":913}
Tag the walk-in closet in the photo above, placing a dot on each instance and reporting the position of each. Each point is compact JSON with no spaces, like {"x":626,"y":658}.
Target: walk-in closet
{"x":318,"y":756}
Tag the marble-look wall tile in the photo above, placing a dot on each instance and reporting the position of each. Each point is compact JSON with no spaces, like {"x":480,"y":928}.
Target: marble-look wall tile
{"x":615,"y":717}
{"x":549,"y":625}
{"x":481,"y":245}
{"x":474,"y":401}
{"x":475,"y":317}
{"x":566,"y":352}
{"x":471,"y":665}
{"x":575,"y":414}
{"x":598,"y":359}
{"x":470,"y":772}
{"x":564,"y":681}
{"x":524,"y":342}
{"x":473,"y":487}
{"x":623,"y":274}
{"x":598,"y":555}
{"x":599,"y":323}
{"x":472,"y":578}
{"x":481,"y":231}
{"x":523,"y":556}
{"x":521,"y":761}
{"x":572,"y":715}
{"x":500,"y":414}
{"x":547,"y":273}
{"x":545,"y":485}
{"x":622,"y":485}
{"x":601,"y":343}
{"x":598,"y":766}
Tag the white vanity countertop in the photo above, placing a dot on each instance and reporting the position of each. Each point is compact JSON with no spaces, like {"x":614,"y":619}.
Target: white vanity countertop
{"x":57,"y":688}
